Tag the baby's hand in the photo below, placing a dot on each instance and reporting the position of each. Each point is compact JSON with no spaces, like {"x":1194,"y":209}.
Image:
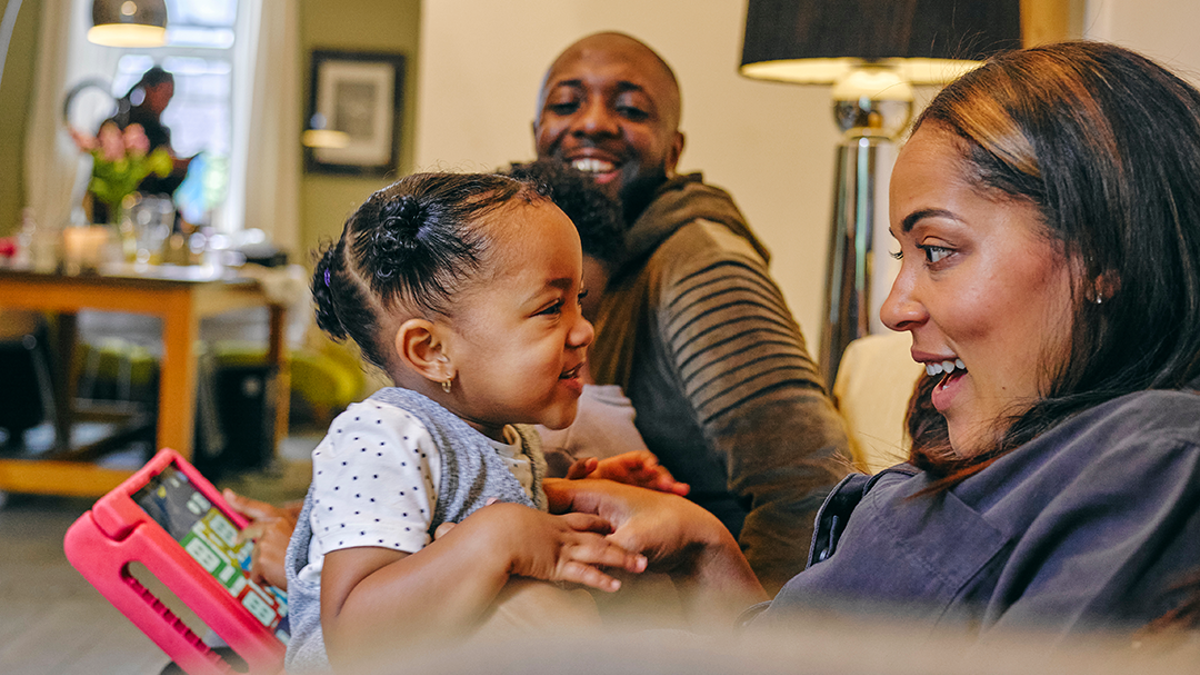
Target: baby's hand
{"x":639,"y":467}
{"x":270,"y":528}
{"x":570,"y":547}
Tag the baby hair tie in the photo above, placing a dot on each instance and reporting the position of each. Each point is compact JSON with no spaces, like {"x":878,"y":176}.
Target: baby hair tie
{"x":326,"y":278}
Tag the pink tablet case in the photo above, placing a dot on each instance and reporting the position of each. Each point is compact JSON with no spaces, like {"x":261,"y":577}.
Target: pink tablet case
{"x":117,"y":531}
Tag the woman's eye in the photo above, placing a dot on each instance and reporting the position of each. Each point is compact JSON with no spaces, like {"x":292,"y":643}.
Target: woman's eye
{"x":935,"y":254}
{"x":897,"y":255}
{"x":582,"y":294}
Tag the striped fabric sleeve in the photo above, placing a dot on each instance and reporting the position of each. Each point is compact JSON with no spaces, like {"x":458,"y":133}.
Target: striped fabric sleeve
{"x":742,"y":362}
{"x":733,"y":338}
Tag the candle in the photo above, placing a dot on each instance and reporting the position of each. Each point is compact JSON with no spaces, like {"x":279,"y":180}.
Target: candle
{"x":84,"y":248}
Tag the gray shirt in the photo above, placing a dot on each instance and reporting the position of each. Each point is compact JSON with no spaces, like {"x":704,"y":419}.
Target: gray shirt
{"x":1091,"y":524}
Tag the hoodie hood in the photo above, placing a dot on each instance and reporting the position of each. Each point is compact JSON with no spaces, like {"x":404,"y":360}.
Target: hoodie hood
{"x":676,"y":203}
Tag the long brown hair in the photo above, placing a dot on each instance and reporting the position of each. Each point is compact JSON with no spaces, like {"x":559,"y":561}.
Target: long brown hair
{"x":1106,"y":145}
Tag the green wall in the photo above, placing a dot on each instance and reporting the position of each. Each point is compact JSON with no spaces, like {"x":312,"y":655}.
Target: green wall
{"x":16,"y":90}
{"x":354,"y":25}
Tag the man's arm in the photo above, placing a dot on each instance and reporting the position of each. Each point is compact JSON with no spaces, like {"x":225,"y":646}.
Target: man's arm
{"x":743,"y":365}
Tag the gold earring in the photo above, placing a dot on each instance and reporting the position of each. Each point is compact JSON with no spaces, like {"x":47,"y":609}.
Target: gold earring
{"x":446,"y":384}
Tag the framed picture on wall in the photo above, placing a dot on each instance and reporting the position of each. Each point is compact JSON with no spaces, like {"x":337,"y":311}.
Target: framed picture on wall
{"x":359,"y":95}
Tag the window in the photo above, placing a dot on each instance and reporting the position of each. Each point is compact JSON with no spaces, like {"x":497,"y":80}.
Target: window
{"x":200,"y":54}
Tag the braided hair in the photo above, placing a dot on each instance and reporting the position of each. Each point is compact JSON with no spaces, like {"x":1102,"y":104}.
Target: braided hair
{"x":413,"y":245}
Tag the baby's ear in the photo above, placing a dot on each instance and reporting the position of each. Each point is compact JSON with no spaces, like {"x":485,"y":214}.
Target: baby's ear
{"x":420,"y":348}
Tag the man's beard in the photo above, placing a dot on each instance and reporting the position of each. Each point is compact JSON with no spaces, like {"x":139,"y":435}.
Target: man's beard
{"x":636,"y":196}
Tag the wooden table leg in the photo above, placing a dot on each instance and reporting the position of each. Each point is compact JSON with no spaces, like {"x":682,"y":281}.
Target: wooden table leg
{"x":67,"y":376}
{"x":277,"y":357}
{"x":177,"y":378}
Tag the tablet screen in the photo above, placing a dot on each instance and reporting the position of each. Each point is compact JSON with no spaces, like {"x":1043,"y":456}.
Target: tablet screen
{"x":209,"y":537}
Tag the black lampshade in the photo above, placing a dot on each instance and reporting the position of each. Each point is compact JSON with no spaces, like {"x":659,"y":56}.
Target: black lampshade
{"x":128,"y":23}
{"x":815,"y":41}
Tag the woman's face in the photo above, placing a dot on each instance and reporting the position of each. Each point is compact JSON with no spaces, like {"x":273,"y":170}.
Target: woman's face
{"x":158,"y":97}
{"x":982,"y":288}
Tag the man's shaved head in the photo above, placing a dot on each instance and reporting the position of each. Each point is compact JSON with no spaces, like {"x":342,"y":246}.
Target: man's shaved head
{"x":610,"y":106}
{"x":613,"y":41}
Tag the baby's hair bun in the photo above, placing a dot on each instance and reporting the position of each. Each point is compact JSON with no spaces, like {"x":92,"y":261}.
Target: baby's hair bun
{"x":398,"y":235}
{"x":403,"y":216}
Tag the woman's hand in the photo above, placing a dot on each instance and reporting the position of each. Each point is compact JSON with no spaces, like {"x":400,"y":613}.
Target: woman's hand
{"x":270,"y":529}
{"x":570,"y":547}
{"x":639,"y":467}
{"x":666,"y":528}
{"x":677,"y":537}
{"x":591,"y":552}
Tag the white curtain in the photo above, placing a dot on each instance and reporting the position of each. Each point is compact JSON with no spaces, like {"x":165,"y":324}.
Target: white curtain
{"x":56,"y":172}
{"x":265,"y":163}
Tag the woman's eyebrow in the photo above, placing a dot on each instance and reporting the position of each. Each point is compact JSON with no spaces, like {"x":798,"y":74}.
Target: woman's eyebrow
{"x":911,"y":219}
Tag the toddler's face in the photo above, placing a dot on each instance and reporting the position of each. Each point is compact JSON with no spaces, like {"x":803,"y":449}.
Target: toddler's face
{"x":519,"y":340}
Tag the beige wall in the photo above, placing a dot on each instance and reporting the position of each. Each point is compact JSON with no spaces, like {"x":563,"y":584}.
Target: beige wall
{"x":770,"y":145}
{"x":1161,"y":29}
{"x":15,"y":93}
{"x":355,"y":25}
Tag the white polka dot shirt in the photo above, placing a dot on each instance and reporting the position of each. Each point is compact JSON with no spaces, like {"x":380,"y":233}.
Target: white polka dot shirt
{"x":375,"y":481}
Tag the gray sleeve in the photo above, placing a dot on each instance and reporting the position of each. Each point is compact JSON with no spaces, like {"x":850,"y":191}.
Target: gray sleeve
{"x":743,"y":365}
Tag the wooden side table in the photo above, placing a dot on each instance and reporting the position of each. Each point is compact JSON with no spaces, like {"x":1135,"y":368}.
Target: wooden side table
{"x":180,"y":296}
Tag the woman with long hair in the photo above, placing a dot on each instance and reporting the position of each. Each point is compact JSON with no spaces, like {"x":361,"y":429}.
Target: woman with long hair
{"x":1047,"y":212}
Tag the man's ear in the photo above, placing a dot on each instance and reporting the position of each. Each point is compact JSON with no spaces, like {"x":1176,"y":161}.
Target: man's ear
{"x":676,"y":152}
{"x":420,"y":347}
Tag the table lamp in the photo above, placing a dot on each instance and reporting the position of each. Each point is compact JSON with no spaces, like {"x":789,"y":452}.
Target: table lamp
{"x":128,"y":23}
{"x":871,"y":52}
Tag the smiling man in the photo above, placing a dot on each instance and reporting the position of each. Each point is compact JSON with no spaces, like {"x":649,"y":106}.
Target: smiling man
{"x":692,"y":325}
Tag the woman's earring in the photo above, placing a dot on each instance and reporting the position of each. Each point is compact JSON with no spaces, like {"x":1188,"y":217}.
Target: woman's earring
{"x":446,"y":384}
{"x":1099,"y":299}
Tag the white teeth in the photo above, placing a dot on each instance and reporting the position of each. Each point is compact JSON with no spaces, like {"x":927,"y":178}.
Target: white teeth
{"x":947,"y":366}
{"x":592,"y":165}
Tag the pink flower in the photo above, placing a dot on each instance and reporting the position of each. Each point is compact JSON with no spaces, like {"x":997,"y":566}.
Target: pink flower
{"x":83,"y":141}
{"x":111,"y":143}
{"x":136,"y":141}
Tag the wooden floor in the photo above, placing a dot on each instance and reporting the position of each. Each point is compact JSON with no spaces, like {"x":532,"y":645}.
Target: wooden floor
{"x":51,"y":619}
